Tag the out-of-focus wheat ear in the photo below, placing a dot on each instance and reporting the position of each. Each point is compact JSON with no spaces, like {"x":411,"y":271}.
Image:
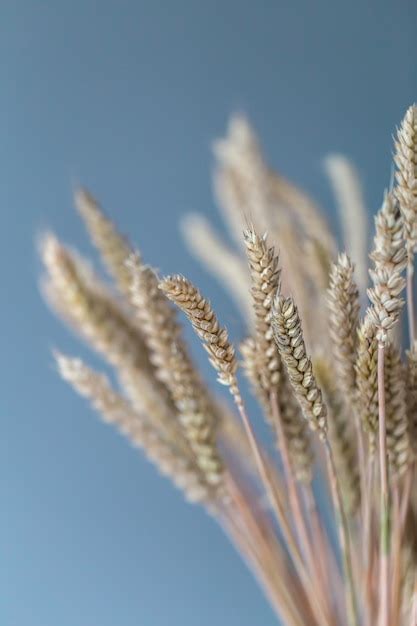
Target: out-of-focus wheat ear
{"x":113,"y":247}
{"x":304,"y":212}
{"x":227,"y":266}
{"x":405,"y":158}
{"x":242,"y":178}
{"x":347,"y":188}
{"x":265,"y":280}
{"x":294,"y":424}
{"x":367,"y":380}
{"x":341,"y":436}
{"x":411,"y":386}
{"x":114,"y":409}
{"x":390,"y":259}
{"x":204,"y":321}
{"x":343,"y":307}
{"x":80,"y":298}
{"x":288,"y":335}
{"x":398,"y":442}
{"x":196,"y":409}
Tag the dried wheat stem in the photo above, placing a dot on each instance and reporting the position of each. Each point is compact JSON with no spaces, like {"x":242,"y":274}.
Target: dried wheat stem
{"x":384,"y":592}
{"x":296,"y":507}
{"x":342,"y":523}
{"x":294,"y":497}
{"x":265,"y":552}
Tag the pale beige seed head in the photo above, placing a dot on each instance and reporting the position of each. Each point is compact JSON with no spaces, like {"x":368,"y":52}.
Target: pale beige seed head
{"x":397,"y":433}
{"x":92,"y":310}
{"x":112,"y":246}
{"x":289,"y":337}
{"x":204,"y":321}
{"x":405,"y":158}
{"x":115,"y":410}
{"x":367,"y":379}
{"x":343,"y":307}
{"x":196,"y":410}
{"x":265,"y":280}
{"x":411,"y":386}
{"x":390,"y":259}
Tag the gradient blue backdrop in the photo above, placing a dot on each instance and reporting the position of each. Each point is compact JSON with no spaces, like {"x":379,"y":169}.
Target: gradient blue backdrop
{"x":126,"y":97}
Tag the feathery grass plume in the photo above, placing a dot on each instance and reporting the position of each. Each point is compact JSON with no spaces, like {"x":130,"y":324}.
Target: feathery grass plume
{"x":204,"y":321}
{"x":390,"y":259}
{"x":398,"y":444}
{"x":219,"y":259}
{"x":348,"y":192}
{"x":340,"y":436}
{"x":411,"y":386}
{"x":406,"y":189}
{"x":168,"y":353}
{"x":343,"y":307}
{"x":288,"y":334}
{"x":367,"y":379}
{"x":115,"y":410}
{"x":113,"y":247}
{"x":294,"y":424}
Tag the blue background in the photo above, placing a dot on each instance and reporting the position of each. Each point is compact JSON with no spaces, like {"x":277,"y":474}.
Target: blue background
{"x":126,"y":97}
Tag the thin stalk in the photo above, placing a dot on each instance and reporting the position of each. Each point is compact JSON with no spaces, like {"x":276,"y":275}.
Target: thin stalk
{"x":280,"y":513}
{"x":410,"y":298}
{"x":343,"y":528}
{"x":384,"y":596}
{"x":324,"y":556}
{"x":260,"y":550}
{"x":295,"y":503}
{"x":293,"y":495}
{"x":367,"y":545}
{"x":361,"y":459}
{"x":396,"y":558}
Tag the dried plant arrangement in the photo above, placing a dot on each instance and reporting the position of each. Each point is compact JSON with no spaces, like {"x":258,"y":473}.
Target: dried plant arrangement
{"x":324,"y":356}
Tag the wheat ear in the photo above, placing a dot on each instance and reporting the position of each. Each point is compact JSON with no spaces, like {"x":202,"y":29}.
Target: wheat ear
{"x":113,"y":247}
{"x":405,"y":158}
{"x":168,"y":353}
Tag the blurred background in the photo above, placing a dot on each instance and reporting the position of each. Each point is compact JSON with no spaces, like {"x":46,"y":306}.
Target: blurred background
{"x":126,"y":98}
